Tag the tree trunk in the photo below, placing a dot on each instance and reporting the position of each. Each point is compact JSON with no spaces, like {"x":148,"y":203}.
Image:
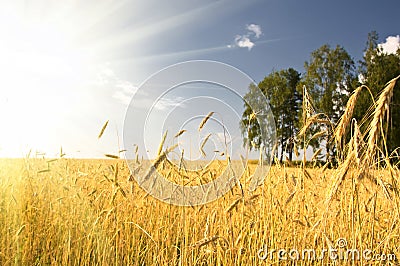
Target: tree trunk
{"x":282,"y":148}
{"x":328,"y":154}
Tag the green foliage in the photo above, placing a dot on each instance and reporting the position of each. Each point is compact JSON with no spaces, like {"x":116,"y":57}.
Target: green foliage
{"x":250,"y":124}
{"x":376,"y":69}
{"x":329,"y":77}
{"x":285,"y":102}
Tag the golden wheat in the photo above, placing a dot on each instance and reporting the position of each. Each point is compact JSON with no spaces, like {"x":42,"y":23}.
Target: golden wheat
{"x":70,"y":212}
{"x":204,"y":121}
{"x":382,"y":109}
{"x":101,"y":131}
{"x":347,"y":115}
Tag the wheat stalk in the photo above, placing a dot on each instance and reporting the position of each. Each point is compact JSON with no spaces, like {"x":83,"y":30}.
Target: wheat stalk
{"x":103,"y":129}
{"x":314,"y":119}
{"x":205,"y":241}
{"x":316,"y":154}
{"x":180,"y":133}
{"x":233,"y":205}
{"x":382,"y":109}
{"x":289,"y":199}
{"x":203,"y":143}
{"x":160,"y":147}
{"x":358,"y":142}
{"x":347,"y":115}
{"x":112,"y":156}
{"x":296,"y":151}
{"x":204,"y":121}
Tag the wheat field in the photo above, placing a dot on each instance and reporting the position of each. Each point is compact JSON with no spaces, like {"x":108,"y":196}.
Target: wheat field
{"x":90,"y":212}
{"x":67,"y":212}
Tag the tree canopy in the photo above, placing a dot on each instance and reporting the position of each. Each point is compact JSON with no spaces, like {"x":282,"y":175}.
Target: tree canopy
{"x":330,"y":77}
{"x":376,"y":69}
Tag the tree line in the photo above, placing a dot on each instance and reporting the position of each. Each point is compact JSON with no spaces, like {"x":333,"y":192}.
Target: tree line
{"x":330,"y":77}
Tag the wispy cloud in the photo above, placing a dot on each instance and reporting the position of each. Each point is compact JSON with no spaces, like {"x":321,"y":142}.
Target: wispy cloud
{"x":123,"y":90}
{"x":168,"y":103}
{"x":183,"y":54}
{"x":391,"y":45}
{"x":256,"y":29}
{"x":247,"y":40}
{"x":243,"y":41}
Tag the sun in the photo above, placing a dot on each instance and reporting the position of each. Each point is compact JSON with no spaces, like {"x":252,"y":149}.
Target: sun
{"x":53,"y":88}
{"x":42,"y":63}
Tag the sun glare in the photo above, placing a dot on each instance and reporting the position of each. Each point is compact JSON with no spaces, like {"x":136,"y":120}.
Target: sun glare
{"x":41,"y":66}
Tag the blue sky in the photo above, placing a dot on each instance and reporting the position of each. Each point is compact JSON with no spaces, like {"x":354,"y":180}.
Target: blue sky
{"x":68,"y":66}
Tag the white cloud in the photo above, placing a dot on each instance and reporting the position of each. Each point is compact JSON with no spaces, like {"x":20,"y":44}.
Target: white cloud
{"x":256,"y":29}
{"x":122,"y":97}
{"x":168,"y":103}
{"x":123,"y":90}
{"x":244,"y":41}
{"x":391,"y":45}
{"x":247,"y":40}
